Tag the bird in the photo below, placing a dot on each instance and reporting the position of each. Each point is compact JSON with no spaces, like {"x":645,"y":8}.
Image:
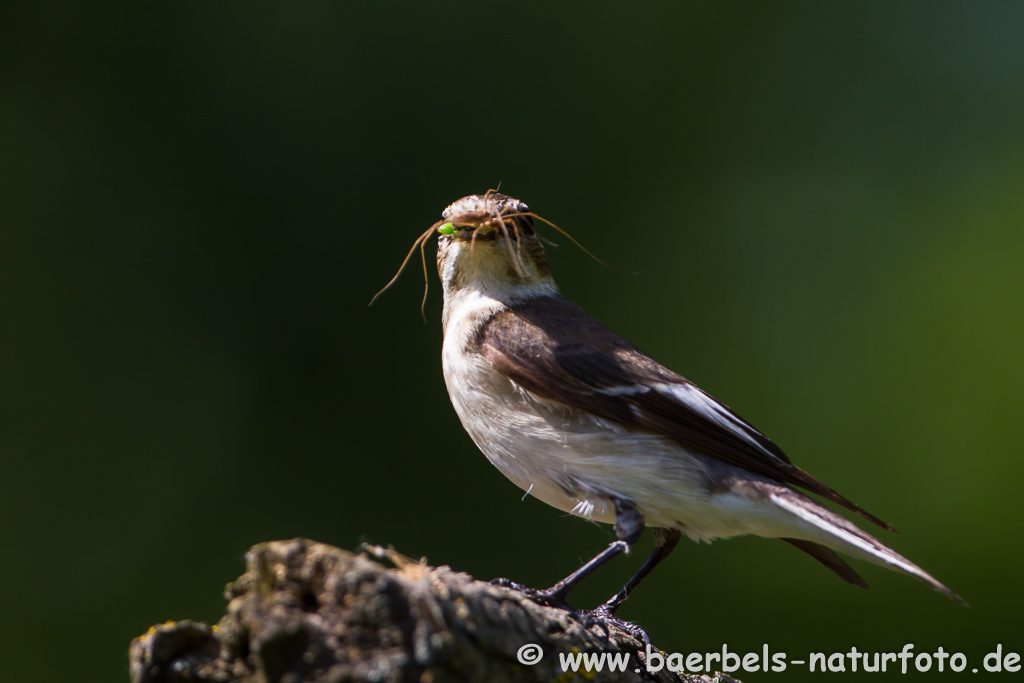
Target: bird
{"x":583,"y":420}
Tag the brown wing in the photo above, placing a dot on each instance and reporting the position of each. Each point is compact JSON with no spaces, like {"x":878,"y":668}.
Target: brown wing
{"x":551,"y":347}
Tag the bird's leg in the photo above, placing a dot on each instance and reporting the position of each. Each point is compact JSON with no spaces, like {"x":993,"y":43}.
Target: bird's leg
{"x":665,"y":541}
{"x":629,"y":525}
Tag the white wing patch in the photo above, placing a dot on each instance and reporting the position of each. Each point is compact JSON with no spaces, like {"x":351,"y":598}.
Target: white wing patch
{"x":697,"y":400}
{"x":631,"y":390}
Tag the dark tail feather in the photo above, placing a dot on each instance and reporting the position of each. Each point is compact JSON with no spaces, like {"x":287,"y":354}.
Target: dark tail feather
{"x":800,"y":478}
{"x":847,"y":538}
{"x":829,"y":559}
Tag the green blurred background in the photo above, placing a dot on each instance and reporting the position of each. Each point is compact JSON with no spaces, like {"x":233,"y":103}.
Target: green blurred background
{"x":825,"y":203}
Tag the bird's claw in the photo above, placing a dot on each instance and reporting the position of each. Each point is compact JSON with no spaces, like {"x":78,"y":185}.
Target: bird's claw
{"x":548,"y":597}
{"x":605,"y":616}
{"x":508,"y":583}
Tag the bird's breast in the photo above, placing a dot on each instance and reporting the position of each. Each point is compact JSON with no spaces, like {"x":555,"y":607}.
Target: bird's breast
{"x":566,"y":457}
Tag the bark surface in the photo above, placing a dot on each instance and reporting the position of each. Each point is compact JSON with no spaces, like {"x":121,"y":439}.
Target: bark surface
{"x":305,"y":612}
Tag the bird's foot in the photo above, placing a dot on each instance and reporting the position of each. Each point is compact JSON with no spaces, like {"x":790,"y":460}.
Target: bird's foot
{"x":550,"y":597}
{"x":605,"y":616}
{"x":510,"y":584}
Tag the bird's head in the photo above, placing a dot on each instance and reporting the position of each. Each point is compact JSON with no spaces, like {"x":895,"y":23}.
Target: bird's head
{"x":487,"y":243}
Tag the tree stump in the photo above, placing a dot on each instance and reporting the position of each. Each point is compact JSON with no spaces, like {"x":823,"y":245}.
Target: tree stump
{"x":305,"y":612}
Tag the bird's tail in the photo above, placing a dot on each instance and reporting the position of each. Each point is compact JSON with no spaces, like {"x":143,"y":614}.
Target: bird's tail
{"x":828,"y":531}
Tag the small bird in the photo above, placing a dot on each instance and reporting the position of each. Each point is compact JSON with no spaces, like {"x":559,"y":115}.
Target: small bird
{"x":585,"y":421}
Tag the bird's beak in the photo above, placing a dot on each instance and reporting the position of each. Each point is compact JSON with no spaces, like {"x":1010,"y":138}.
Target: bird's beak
{"x":473,"y":226}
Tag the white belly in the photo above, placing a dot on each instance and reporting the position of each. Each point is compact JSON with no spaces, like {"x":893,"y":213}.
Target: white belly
{"x":568,"y":460}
